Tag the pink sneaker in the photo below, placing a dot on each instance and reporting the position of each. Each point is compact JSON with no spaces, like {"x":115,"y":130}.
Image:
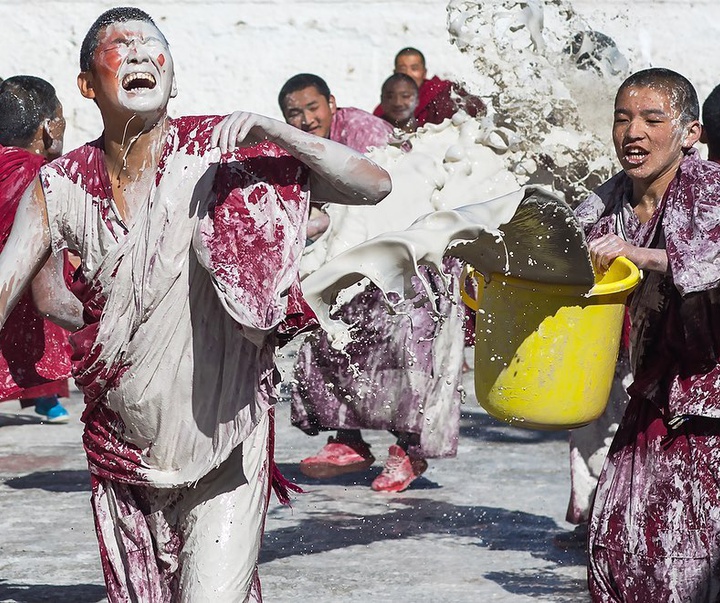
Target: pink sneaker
{"x":337,"y":458}
{"x":399,"y":471}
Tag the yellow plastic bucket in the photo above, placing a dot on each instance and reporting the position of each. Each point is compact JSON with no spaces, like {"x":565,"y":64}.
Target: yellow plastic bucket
{"x":545,"y":354}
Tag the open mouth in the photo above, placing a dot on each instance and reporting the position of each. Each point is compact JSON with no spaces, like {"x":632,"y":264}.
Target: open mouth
{"x":635,"y":156}
{"x":136,"y":81}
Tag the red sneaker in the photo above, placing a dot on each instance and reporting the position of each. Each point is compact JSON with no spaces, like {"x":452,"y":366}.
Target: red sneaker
{"x":399,"y":471}
{"x":337,"y":458}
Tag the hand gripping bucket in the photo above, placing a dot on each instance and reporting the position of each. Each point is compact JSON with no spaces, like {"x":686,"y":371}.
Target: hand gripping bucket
{"x":545,"y":354}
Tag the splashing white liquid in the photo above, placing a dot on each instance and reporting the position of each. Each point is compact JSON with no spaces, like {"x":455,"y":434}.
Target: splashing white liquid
{"x":547,"y":77}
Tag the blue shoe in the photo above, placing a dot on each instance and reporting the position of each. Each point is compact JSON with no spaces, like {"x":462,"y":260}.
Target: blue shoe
{"x":51,"y":409}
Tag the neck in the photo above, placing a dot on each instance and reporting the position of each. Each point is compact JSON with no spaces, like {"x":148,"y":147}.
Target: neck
{"x":648,"y":195}
{"x":37,"y":144}
{"x":132,"y":147}
{"x":409,"y":125}
{"x":36,"y":147}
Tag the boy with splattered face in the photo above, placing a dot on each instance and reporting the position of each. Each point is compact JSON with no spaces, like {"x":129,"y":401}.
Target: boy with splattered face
{"x":190,"y":232}
{"x":653,"y":528}
{"x":655,"y":124}
{"x":127,"y":68}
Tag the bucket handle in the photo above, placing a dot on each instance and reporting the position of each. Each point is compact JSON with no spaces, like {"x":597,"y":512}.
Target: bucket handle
{"x":472,"y":302}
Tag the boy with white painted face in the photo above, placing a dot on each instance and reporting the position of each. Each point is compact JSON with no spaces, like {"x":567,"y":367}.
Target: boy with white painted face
{"x":190,"y":248}
{"x":655,"y":526}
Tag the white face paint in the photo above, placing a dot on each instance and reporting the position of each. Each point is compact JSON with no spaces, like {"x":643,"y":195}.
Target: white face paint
{"x":133,"y":69}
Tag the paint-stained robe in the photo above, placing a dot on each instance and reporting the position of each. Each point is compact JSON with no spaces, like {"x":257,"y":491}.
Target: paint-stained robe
{"x":184,"y":307}
{"x":655,"y":524}
{"x":359,"y":129}
{"x":401,"y":372}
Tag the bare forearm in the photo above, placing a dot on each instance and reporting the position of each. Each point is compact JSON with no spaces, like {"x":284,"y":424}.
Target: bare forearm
{"x":655,"y":260}
{"x":339,"y":174}
{"x":52,"y":297}
{"x":605,"y":249}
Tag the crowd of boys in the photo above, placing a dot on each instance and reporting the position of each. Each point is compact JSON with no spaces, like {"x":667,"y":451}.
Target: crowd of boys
{"x":188,"y":233}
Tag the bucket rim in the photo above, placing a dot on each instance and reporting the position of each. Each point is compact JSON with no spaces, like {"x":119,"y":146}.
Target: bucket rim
{"x":623,"y":285}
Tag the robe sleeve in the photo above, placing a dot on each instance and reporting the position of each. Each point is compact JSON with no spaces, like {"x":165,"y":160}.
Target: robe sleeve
{"x":253,"y":235}
{"x":692,"y":230}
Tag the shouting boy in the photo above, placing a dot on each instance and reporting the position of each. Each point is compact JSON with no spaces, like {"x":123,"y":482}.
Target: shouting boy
{"x":655,"y":523}
{"x":190,"y":249}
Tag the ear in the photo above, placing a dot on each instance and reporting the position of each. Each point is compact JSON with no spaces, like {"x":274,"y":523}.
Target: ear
{"x":693,"y":131}
{"x":47,"y":137}
{"x":85,"y":84}
{"x":703,"y":135}
{"x":173,"y":88}
{"x":333,"y":104}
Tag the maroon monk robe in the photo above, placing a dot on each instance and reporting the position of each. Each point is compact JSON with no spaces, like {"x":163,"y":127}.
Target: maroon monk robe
{"x":655,"y":524}
{"x":441,"y":99}
{"x":34,"y":353}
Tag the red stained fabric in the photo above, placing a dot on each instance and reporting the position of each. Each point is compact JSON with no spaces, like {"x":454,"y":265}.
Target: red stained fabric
{"x":359,"y":129}
{"x":35,"y":358}
{"x":250,"y":237}
{"x":262,"y":248}
{"x":655,"y":523}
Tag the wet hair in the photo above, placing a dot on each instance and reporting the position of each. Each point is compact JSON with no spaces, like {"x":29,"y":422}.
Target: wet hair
{"x":120,"y":14}
{"x":681,"y":92}
{"x":300,"y":82}
{"x":25,"y":102}
{"x":711,"y":122}
{"x":397,"y":78}
{"x":409,"y":50}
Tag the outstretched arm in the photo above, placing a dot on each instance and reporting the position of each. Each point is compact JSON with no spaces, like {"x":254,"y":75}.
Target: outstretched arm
{"x":339,"y":174}
{"x":26,"y":250}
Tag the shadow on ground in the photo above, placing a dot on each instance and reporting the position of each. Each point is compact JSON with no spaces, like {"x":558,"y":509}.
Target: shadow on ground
{"x":10,"y":419}
{"x":490,"y":527}
{"x":542,"y":584}
{"x":292,"y":472}
{"x":481,"y":426}
{"x":37,"y":593}
{"x":53,"y":481}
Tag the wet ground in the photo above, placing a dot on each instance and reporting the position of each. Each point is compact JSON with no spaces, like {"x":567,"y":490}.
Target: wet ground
{"x":473,"y":529}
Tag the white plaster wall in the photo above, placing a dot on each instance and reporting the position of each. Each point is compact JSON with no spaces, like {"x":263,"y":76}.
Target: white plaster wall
{"x":237,"y":54}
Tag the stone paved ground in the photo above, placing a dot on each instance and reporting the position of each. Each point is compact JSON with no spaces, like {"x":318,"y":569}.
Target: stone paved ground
{"x":473,"y":529}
